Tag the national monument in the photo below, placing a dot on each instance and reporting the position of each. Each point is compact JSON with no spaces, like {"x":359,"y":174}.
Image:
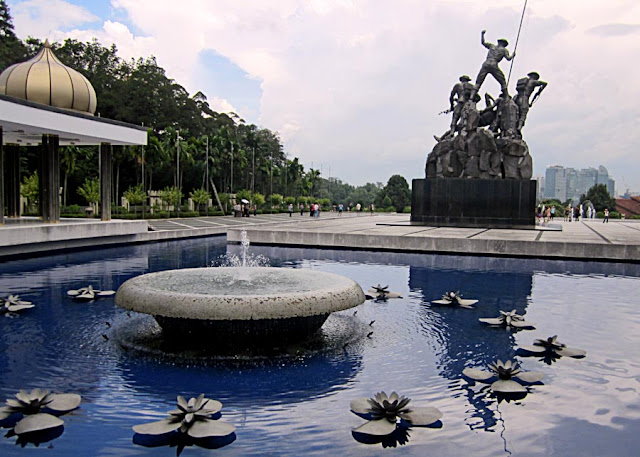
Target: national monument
{"x":479,"y":172}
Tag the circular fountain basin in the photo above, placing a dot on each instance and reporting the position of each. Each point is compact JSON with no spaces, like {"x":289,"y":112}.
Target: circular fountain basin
{"x":239,"y":304}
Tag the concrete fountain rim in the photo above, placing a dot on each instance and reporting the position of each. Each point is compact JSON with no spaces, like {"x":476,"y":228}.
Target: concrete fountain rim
{"x":330,"y":293}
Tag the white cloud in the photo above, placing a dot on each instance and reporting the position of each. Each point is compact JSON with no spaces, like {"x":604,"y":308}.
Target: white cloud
{"x":220,"y":105}
{"x":357,"y":84}
{"x":42,"y":18}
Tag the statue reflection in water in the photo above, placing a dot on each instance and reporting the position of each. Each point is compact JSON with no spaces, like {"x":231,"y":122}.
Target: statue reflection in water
{"x":460,"y":340}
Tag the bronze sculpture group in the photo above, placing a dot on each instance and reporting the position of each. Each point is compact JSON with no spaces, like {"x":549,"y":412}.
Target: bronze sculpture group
{"x":487,"y":143}
{"x":505,"y":116}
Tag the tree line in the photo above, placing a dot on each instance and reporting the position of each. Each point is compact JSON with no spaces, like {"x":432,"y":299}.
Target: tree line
{"x":190,"y":146}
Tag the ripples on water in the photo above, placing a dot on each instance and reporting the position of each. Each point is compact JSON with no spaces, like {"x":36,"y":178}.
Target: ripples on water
{"x":299,"y":404}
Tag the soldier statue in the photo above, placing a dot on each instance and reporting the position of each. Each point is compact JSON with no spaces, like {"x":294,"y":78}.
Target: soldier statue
{"x":506,"y":120}
{"x":524,"y":88}
{"x":490,"y":65}
{"x":457,"y":99}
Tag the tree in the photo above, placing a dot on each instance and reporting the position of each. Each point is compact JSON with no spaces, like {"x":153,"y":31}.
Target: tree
{"x":68,"y":162}
{"x":30,"y":189}
{"x":397,"y":189}
{"x":600,"y":197}
{"x":200,"y":196}
{"x":135,"y":195}
{"x":11,"y":48}
{"x":275,"y":200}
{"x":90,"y":191}
{"x":171,"y":195}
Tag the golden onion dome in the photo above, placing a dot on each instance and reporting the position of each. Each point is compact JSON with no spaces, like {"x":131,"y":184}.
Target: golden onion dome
{"x":44,"y":79}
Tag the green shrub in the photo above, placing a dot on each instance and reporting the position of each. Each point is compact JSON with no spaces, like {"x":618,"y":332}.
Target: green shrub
{"x":407,"y":209}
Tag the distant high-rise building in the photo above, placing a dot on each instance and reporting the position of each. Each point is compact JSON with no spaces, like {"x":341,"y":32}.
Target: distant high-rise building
{"x":541,"y":184}
{"x":567,"y":183}
{"x":555,"y":183}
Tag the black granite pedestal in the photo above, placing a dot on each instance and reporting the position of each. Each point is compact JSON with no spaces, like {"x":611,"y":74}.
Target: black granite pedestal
{"x":491,"y":203}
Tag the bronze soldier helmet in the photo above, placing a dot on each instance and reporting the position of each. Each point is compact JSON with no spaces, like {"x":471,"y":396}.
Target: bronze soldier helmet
{"x":503,"y":42}
{"x":464,"y":78}
{"x":533,"y":75}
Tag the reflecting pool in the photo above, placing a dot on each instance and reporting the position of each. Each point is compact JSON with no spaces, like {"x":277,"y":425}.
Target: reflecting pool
{"x":297,"y":402}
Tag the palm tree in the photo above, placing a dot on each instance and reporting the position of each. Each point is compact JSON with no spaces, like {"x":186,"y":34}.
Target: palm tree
{"x":68,"y":162}
{"x":313,"y":176}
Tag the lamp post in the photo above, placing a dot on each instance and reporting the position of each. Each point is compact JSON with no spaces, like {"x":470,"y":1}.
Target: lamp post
{"x":178,"y":158}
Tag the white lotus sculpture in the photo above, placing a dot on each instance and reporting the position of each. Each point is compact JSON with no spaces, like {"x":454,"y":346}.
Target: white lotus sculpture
{"x":39,"y":409}
{"x":385,"y":411}
{"x":89,"y":293}
{"x":552,"y":346}
{"x":455,"y":299}
{"x":13,"y":304}
{"x":503,"y":376}
{"x":508,"y":319}
{"x":192,"y":418}
{"x":382,"y":293}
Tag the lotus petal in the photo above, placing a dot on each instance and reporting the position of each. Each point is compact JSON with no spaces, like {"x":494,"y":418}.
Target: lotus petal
{"x":73,"y":293}
{"x":478,"y":375}
{"x":530,"y":376}
{"x":571,"y":352}
{"x":421,"y":416}
{"x":199,"y":401}
{"x":158,"y":427}
{"x":182,"y":403}
{"x":535,"y":349}
{"x":64,"y":402}
{"x":380,"y":427}
{"x":491,"y":320}
{"x":381,"y":397}
{"x":522,"y":324}
{"x":213,"y":406}
{"x":15,"y":308}
{"x":205,"y":428}
{"x":37,"y":422}
{"x":106,"y":293}
{"x":23,"y":396}
{"x":465,"y":302}
{"x":507,"y":386}
{"x":441,"y":302}
{"x":5,"y":412}
{"x":360,"y":405}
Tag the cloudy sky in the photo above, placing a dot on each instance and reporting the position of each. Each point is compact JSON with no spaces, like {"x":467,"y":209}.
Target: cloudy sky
{"x":354,"y":87}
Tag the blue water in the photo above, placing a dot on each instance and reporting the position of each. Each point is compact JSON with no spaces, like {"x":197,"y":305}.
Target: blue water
{"x":299,"y":405}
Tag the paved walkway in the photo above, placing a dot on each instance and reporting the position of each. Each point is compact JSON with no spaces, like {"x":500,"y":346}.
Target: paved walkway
{"x":590,"y":240}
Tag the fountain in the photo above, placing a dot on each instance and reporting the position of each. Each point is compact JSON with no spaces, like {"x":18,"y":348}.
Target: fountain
{"x":239,"y":305}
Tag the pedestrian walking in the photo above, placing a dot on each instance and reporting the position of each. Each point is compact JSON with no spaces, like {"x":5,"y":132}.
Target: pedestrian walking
{"x":290,"y":209}
{"x":606,"y":216}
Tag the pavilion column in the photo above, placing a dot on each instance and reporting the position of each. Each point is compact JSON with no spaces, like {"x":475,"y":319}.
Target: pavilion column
{"x":12,"y":179}
{"x":105,"y":181}
{"x":1,"y":179}
{"x":49,"y":178}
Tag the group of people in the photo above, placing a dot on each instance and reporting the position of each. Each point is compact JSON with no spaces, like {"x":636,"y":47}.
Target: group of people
{"x":315,"y":208}
{"x":244,"y":210}
{"x":545,"y":213}
{"x":576,"y":213}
